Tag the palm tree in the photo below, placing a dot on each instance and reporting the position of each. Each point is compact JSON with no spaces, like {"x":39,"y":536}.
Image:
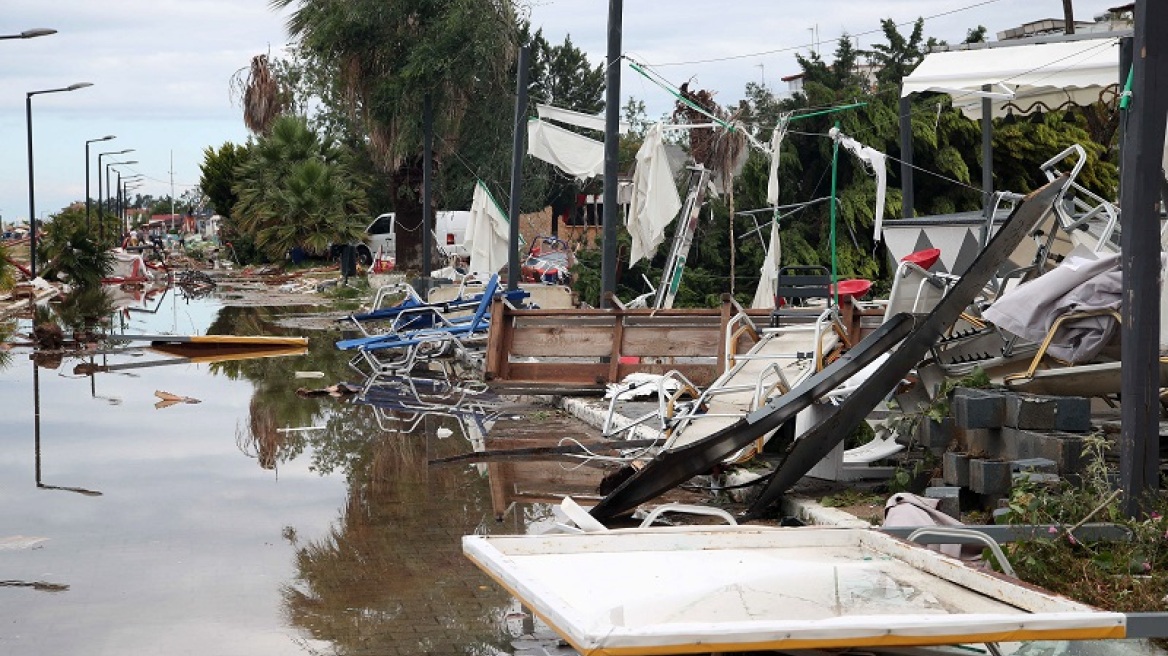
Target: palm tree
{"x":261,"y":94}
{"x":295,"y":191}
{"x":387,"y":56}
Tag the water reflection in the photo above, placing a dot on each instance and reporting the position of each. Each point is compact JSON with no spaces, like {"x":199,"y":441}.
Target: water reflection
{"x":252,"y":522}
{"x":36,"y":395}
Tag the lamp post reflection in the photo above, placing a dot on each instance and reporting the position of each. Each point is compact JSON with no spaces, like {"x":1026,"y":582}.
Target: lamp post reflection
{"x":36,"y":422}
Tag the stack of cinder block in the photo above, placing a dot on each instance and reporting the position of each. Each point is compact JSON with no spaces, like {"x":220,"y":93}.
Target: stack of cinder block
{"x":993,"y":435}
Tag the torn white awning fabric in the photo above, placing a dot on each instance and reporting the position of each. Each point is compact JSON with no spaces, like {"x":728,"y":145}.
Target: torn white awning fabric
{"x":488,"y":233}
{"x":1048,"y":73}
{"x":768,"y":280}
{"x":574,"y":154}
{"x":874,"y":161}
{"x":579,"y":119}
{"x":776,"y":140}
{"x":655,"y":199}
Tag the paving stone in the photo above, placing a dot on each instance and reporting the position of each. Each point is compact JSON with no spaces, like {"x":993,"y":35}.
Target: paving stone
{"x":1064,"y":449}
{"x":974,"y":408}
{"x":989,"y":477}
{"x":1044,"y":465}
{"x":1001,"y":515}
{"x":1037,"y":477}
{"x":979,"y":441}
{"x":1029,"y":411}
{"x":1073,"y":414}
{"x":949,"y":498}
{"x":955,"y":468}
{"x":933,"y":434}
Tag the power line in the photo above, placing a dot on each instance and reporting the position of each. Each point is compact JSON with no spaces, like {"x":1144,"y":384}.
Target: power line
{"x":810,"y":45}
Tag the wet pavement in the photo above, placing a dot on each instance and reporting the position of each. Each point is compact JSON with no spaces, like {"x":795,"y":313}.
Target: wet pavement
{"x":255,"y":521}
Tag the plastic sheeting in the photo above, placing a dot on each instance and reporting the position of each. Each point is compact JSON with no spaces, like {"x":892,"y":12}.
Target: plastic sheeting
{"x":776,"y":141}
{"x":579,"y":119}
{"x":655,"y":200}
{"x":488,"y":233}
{"x":875,"y":163}
{"x":1078,"y":284}
{"x":574,"y":154}
{"x":768,"y":281}
{"x":1051,"y":73}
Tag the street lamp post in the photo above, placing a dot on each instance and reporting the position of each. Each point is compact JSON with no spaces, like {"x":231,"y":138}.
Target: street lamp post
{"x":125,"y":184}
{"x":28,"y":34}
{"x":109,"y":197}
{"x":87,"y":142}
{"x":31,"y":189}
{"x":100,"y":222}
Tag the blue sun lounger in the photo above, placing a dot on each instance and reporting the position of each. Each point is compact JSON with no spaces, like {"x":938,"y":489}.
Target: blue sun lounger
{"x":428,"y":342}
{"x":413,"y":313}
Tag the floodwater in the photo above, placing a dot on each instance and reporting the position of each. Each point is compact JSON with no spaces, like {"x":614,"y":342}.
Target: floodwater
{"x":132,"y":526}
{"x":255,"y":521}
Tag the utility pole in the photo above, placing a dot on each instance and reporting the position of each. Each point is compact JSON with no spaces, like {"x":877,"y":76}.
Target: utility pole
{"x":612,"y":82}
{"x":1139,"y":442}
{"x":517,"y":152}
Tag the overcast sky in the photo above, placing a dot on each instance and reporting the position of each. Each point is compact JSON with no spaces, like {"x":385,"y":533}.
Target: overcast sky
{"x":161,"y":69}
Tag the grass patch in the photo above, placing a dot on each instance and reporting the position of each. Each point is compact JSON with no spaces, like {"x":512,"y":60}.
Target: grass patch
{"x":1124,"y":576}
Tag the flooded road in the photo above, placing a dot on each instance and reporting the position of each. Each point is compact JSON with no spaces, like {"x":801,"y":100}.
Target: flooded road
{"x":255,"y":521}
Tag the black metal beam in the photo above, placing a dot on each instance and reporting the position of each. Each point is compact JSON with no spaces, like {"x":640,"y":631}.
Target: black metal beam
{"x":906,"y":158}
{"x":811,"y":447}
{"x":517,"y":153}
{"x":671,"y":468}
{"x":1146,"y":625}
{"x":1140,"y":257}
{"x":1003,"y":533}
{"x":427,"y":189}
{"x":987,"y":157}
{"x":612,"y":82}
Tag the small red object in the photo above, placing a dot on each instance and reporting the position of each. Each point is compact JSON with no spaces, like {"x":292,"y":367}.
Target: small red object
{"x":924,"y":259}
{"x":854,"y":287}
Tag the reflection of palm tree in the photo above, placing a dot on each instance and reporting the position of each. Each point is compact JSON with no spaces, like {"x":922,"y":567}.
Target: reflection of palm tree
{"x":81,"y":311}
{"x":6,"y":331}
{"x":274,"y":390}
{"x":261,"y":439}
{"x":393,"y":563}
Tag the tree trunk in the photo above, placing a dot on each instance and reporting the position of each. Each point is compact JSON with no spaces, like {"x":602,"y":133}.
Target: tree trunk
{"x":406,"y":191}
{"x":1069,"y":16}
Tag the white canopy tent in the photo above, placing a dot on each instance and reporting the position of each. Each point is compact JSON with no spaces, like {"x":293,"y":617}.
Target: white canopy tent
{"x":1020,"y":75}
{"x":488,"y":233}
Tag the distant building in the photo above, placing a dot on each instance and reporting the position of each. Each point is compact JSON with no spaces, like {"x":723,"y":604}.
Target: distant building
{"x":794,"y":83}
{"x":1116,"y":20}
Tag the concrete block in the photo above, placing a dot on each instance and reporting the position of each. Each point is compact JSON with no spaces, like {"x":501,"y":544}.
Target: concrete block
{"x":1064,"y":449}
{"x":978,"y":441}
{"x":955,"y":468}
{"x":949,"y":497}
{"x":989,"y":477}
{"x":1043,"y":465}
{"x":1037,"y":477}
{"x":1029,"y":412}
{"x":933,"y":434}
{"x":974,"y":408}
{"x":1072,"y":414}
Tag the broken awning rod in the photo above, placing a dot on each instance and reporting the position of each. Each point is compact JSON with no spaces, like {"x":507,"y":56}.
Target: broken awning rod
{"x":795,"y":209}
{"x":795,"y":206}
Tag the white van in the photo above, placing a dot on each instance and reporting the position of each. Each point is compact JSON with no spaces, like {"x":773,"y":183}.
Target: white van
{"x":379,"y":234}
{"x":449,"y":231}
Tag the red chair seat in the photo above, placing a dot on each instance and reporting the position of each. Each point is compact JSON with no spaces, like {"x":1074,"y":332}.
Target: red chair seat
{"x":853,"y":288}
{"x":924,"y":259}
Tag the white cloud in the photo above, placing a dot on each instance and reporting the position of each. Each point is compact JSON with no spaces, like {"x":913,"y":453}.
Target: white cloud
{"x":161,"y":68}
